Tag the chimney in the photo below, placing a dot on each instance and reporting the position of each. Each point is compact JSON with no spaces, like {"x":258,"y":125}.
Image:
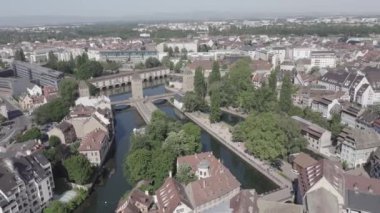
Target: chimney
{"x":370,"y":189}
{"x":356,"y":188}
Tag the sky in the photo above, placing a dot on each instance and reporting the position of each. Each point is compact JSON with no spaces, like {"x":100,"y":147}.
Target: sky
{"x":124,"y":8}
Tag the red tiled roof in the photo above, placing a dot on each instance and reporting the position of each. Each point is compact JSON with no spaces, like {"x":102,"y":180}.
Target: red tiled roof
{"x":219,"y":183}
{"x":362,"y":184}
{"x":170,"y":195}
{"x":205,"y":64}
{"x":93,"y":141}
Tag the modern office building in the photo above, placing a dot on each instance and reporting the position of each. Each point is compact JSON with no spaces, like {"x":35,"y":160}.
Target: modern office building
{"x":40,"y":75}
{"x":26,"y":184}
{"x":323,"y":59}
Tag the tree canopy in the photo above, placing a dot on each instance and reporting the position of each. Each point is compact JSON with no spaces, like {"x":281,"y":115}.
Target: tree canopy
{"x":88,"y":69}
{"x":19,"y":55}
{"x":33,"y":133}
{"x":286,"y":102}
{"x":56,"y":207}
{"x":57,"y":109}
{"x":270,"y":135}
{"x":79,"y":169}
{"x":152,"y":155}
{"x":215,"y":73}
{"x":200,"y":86}
{"x":68,"y":90}
{"x":152,"y":62}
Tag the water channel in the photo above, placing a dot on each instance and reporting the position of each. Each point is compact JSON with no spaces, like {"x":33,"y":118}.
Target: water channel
{"x":105,"y":197}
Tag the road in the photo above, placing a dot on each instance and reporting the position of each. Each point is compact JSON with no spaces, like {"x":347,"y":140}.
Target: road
{"x":21,"y":121}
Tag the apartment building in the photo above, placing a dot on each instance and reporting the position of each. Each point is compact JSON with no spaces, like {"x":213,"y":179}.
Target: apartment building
{"x":26,"y":184}
{"x":357,"y":145}
{"x":319,"y":139}
{"x":323,"y":59}
{"x":95,"y":146}
{"x":37,"y":74}
{"x":65,"y":131}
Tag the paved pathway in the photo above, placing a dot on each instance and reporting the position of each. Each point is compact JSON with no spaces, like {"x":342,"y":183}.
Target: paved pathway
{"x":221,"y":131}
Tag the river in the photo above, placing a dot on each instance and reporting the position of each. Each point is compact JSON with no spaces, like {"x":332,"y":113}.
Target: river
{"x":105,"y":197}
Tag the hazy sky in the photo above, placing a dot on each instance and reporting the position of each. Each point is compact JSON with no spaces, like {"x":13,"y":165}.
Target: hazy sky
{"x":119,"y":8}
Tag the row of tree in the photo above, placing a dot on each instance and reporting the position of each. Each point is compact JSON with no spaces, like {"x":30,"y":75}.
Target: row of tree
{"x":152,"y":155}
{"x":82,"y":67}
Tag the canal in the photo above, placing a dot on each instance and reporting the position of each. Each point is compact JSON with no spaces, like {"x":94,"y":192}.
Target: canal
{"x":105,"y":197}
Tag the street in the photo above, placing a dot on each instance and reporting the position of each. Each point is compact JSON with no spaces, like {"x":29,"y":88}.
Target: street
{"x":20,"y":122}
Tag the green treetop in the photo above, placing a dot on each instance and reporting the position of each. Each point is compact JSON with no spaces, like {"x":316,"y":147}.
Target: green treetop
{"x":19,"y":55}
{"x":200,"y":86}
{"x":215,"y":73}
{"x":285,"y":102}
{"x":79,"y":169}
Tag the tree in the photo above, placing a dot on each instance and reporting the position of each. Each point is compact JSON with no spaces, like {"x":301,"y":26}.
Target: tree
{"x":215,"y":73}
{"x":88,"y":70}
{"x":269,"y":135}
{"x":81,"y":59}
{"x":181,"y":143}
{"x":170,"y":52}
{"x":56,"y":207}
{"x":57,"y":110}
{"x":185,"y":175}
{"x":335,"y":125}
{"x":178,"y":66}
{"x":176,"y":49}
{"x":273,"y":81}
{"x":152,"y":62}
{"x":215,"y":113}
{"x":192,"y":102}
{"x":68,"y":90}
{"x":200,"y":86}
{"x":52,"y":62}
{"x":19,"y":55}
{"x":79,"y":169}
{"x":236,"y":84}
{"x":193,"y":130}
{"x":54,"y":141}
{"x":285,"y":102}
{"x":137,"y":165}
{"x":31,"y":134}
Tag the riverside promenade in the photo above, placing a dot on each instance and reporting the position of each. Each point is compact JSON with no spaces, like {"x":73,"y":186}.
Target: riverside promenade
{"x":221,"y":132}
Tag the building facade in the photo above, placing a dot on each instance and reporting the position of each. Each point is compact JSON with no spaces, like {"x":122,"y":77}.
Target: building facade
{"x":26,"y":184}
{"x":37,"y":74}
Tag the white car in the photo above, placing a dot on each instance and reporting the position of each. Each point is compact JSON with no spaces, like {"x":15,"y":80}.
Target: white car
{"x":295,"y":172}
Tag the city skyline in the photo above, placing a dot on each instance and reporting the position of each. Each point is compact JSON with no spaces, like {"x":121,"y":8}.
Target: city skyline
{"x":148,"y":8}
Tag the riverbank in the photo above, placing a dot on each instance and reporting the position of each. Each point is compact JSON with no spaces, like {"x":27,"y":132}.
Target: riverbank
{"x":221,"y":131}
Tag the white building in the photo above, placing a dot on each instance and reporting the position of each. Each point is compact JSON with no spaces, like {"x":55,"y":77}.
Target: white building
{"x":26,"y":184}
{"x":102,"y":102}
{"x":34,"y":90}
{"x":319,"y":138}
{"x":323,"y":59}
{"x":95,"y":146}
{"x":300,"y":53}
{"x":357,"y":146}
{"x":326,"y":106}
{"x":190,"y":46}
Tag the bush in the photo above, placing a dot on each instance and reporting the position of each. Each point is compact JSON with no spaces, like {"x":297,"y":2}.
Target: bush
{"x":79,"y":169}
{"x":30,"y":134}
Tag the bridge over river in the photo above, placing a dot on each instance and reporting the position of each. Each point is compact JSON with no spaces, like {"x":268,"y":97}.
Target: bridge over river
{"x":144,"y":105}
